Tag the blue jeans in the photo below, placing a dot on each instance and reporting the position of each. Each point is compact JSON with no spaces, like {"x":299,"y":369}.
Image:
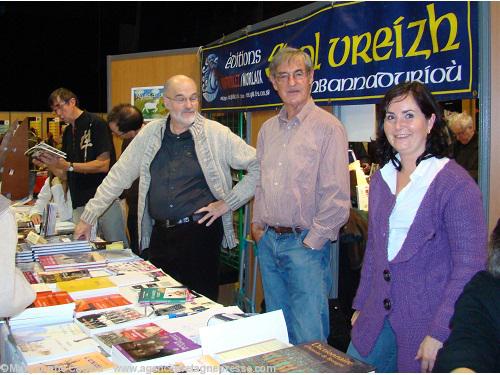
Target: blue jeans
{"x":296,"y":280}
{"x":384,"y":355}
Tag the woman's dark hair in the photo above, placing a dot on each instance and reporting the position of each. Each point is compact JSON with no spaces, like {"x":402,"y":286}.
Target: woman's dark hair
{"x":494,"y":255}
{"x":438,"y":142}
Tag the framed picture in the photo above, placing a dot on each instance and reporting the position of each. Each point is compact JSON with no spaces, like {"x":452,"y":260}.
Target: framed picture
{"x":150,"y":101}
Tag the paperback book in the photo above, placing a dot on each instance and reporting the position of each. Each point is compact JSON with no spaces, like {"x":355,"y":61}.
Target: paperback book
{"x":102,"y":303}
{"x":119,"y":336}
{"x":108,"y":320}
{"x":83,"y":363}
{"x":52,"y":342}
{"x":57,"y":276}
{"x":43,"y":147}
{"x":309,"y":357}
{"x":157,"y":349}
{"x":48,"y":308}
{"x":72,"y":260}
{"x":163,"y":295}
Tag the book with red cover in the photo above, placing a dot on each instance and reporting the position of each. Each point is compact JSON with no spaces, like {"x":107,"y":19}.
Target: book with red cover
{"x":52,"y":299}
{"x":100,"y":302}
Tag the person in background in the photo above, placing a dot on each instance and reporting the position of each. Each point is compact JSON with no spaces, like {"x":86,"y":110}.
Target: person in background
{"x":15,"y":291}
{"x":426,"y":237}
{"x":125,"y":121}
{"x":87,"y":143}
{"x":465,"y":147}
{"x":53,"y":190}
{"x":362,"y":155}
{"x":474,"y":342}
{"x":50,"y":139}
{"x":301,"y":201}
{"x":186,"y":193}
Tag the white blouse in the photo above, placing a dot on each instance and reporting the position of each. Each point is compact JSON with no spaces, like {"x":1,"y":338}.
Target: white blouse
{"x":409,"y":199}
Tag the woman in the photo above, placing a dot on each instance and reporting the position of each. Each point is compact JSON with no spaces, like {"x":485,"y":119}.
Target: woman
{"x":57,"y":191}
{"x":474,"y":342}
{"x":15,"y":292}
{"x":426,"y":237}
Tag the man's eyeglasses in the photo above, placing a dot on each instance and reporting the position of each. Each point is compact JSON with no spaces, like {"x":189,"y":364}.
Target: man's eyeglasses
{"x":182,"y":99}
{"x":59,"y":105}
{"x":298,"y":75}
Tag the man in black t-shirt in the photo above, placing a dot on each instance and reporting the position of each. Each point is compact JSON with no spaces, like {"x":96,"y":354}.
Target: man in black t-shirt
{"x":90,"y":153}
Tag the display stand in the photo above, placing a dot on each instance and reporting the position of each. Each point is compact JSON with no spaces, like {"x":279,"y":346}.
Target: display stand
{"x":15,"y":168}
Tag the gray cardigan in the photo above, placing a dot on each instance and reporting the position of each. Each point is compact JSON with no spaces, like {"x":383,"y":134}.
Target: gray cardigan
{"x":218,"y":150}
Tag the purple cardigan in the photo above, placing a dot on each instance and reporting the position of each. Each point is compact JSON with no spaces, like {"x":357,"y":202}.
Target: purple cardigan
{"x":445,"y":246}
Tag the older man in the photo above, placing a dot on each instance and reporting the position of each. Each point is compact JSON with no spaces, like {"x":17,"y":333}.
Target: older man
{"x":302,"y":199}
{"x":186,"y":194}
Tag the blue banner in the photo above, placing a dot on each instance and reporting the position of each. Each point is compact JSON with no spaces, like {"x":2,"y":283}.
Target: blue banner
{"x":359,"y":50}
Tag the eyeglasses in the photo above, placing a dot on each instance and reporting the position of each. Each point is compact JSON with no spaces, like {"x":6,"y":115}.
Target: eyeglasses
{"x":298,"y":75}
{"x":182,"y":99}
{"x":59,"y":105}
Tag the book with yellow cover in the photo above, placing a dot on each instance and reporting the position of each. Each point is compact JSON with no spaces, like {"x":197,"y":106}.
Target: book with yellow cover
{"x":82,"y":288}
{"x":85,"y":284}
{"x":84,"y":363}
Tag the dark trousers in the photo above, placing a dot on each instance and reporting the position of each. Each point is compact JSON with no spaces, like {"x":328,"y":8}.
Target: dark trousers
{"x":133,"y":233}
{"x":189,"y":253}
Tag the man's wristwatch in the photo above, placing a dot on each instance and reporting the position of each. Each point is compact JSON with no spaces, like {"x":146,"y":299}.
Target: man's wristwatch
{"x":71,"y":168}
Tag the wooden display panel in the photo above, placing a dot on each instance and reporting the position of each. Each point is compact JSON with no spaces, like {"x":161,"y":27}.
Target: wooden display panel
{"x":138,"y":70}
{"x":15,"y":168}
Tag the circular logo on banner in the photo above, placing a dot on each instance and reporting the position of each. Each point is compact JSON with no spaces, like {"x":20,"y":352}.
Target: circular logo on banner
{"x":210,"y":82}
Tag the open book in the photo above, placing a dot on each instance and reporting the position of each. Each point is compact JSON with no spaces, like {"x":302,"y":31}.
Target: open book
{"x":43,"y":147}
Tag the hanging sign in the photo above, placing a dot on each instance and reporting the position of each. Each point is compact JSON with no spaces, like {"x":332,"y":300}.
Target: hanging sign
{"x":358,"y":49}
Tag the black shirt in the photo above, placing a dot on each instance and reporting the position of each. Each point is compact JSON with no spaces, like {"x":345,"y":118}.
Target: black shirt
{"x":84,"y":142}
{"x":131,"y":194}
{"x":178,"y":187}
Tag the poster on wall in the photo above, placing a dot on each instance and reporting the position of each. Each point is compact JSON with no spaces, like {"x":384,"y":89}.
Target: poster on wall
{"x":358,"y":51}
{"x":150,"y":101}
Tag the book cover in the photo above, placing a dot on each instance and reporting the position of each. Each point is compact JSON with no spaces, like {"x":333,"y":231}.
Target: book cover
{"x":51,"y":299}
{"x":52,"y":342}
{"x":309,"y":357}
{"x":48,"y":308}
{"x":158,"y":346}
{"x":57,"y":276}
{"x":134,"y":333}
{"x":66,"y":260}
{"x":94,"y":323}
{"x":163,"y":295}
{"x":85,"y":284}
{"x":84,"y":363}
{"x":101,"y":302}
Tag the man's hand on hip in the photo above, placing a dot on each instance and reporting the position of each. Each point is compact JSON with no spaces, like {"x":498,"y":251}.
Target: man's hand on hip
{"x":257,"y":231}
{"x":82,"y":231}
{"x":213,"y":211}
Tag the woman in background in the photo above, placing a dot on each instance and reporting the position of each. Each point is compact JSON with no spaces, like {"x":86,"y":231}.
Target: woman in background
{"x":15,"y":292}
{"x":53,"y":190}
{"x":426,"y":237}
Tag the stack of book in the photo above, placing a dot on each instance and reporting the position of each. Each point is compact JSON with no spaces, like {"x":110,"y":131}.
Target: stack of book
{"x":48,"y":308}
{"x":92,"y":259}
{"x":52,"y":342}
{"x":60,"y":244}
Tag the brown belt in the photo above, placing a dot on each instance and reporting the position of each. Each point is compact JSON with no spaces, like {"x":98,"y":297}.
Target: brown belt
{"x":283,"y":230}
